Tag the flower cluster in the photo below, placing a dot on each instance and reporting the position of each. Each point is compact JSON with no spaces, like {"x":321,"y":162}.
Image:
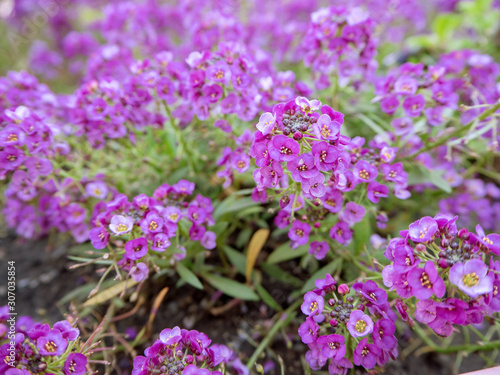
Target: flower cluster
{"x":36,"y":348}
{"x":458,"y":78}
{"x":444,"y":269}
{"x":339,"y":42}
{"x":149,"y":224}
{"x":38,"y":197}
{"x":237,"y":159}
{"x":474,"y":201}
{"x":322,"y":165}
{"x":182,"y":352}
{"x":347,"y":327}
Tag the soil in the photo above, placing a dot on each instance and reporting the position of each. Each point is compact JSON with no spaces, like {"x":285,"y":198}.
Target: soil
{"x":43,"y":279}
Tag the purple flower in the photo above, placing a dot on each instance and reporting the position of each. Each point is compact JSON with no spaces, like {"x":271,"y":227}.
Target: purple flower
{"x":99,"y":237}
{"x":308,"y":331}
{"x":366,"y":354}
{"x":375,"y":191}
{"x":303,"y":167}
{"x":313,"y":304}
{"x":359,"y":324}
{"x":472,"y":277}
{"x":152,"y":223}
{"x":11,"y":135}
{"x":339,"y":367}
{"x":425,"y":311}
{"x":332,"y":346}
{"x":325,"y":156}
{"x":38,"y":166}
{"x":332,"y":201}
{"x":121,"y":224}
{"x":219,"y":72}
{"x":171,"y":336}
{"x":326,"y":285}
{"x":11,"y":158}
{"x":208,"y":240}
{"x":319,"y":249}
{"x":52,"y":343}
{"x":266,"y":123}
{"x":97,"y":189}
{"x":283,"y":148}
{"x":383,"y":334}
{"x":425,"y":282}
{"x":423,"y":230}
{"x":371,"y":292}
{"x":307,"y":105}
{"x":160,"y":242}
{"x":414,"y":105}
{"x":172,"y":214}
{"x":491,"y":241}
{"x":353,"y":213}
{"x":394,"y":173}
{"x":405,"y":85}
{"x":315,"y":186}
{"x":389,"y":104}
{"x":67,"y":330}
{"x":139,"y":272}
{"x":364,"y":171}
{"x":299,"y":232}
{"x":341,"y":233}
{"x":75,"y":364}
{"x":16,"y":371}
{"x":325,"y":128}
{"x":434,"y":115}
{"x":137,"y":248}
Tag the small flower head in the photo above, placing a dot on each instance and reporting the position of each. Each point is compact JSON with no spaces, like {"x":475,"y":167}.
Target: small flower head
{"x":359,"y":324}
{"x":472,"y":277}
{"x":313,"y":304}
{"x":121,"y":224}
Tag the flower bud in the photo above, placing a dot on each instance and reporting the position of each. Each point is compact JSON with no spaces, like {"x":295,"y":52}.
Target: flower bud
{"x":331,"y":302}
{"x":334,"y":322}
{"x":297,"y":136}
{"x":420,"y":248}
{"x":443,"y":263}
{"x":189,"y":359}
{"x":463,"y":234}
{"x":317,"y":224}
{"x":343,"y":289}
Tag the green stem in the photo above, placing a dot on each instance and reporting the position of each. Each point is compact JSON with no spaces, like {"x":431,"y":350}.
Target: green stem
{"x":290,"y":314}
{"x":484,"y":346}
{"x":457,"y":132}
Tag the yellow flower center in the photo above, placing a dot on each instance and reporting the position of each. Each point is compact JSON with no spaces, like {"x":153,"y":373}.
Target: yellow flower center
{"x":470,"y":279}
{"x":360,"y":326}
{"x":50,"y":346}
{"x":121,"y":227}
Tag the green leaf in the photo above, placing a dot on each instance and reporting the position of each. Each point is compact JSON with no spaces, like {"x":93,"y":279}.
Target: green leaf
{"x":320,"y":274}
{"x":435,"y":177}
{"x":188,"y":276}
{"x":280,"y":275}
{"x":362,"y":233}
{"x":236,"y":258}
{"x":267,"y":298}
{"x":231,"y":288}
{"x":445,"y":24}
{"x":285,"y":252}
{"x":232,"y":204}
{"x":375,"y":127}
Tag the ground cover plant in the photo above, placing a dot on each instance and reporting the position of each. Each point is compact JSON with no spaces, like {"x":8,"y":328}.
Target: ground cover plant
{"x":269,"y":187}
